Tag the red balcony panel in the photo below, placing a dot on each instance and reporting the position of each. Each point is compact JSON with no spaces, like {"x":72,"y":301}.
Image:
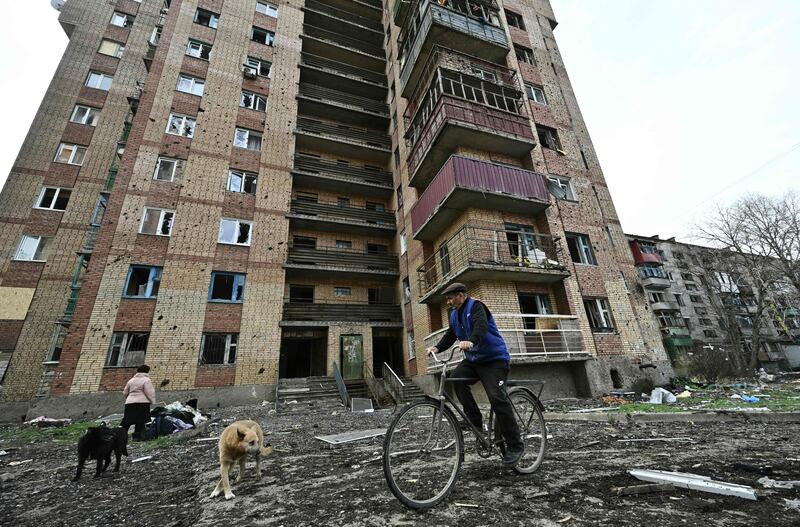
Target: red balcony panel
{"x":640,"y":257}
{"x":464,"y":183}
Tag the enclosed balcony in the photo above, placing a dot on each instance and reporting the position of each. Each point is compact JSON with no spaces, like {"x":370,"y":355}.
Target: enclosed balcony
{"x":644,"y":252}
{"x":327,"y":261}
{"x":652,"y":276}
{"x":342,"y":48}
{"x":326,"y":16}
{"x":476,"y":253}
{"x":341,"y":176}
{"x":339,"y":217}
{"x":665,"y":306}
{"x":532,"y":339}
{"x":453,"y":25}
{"x":321,"y":312}
{"x":461,"y":108}
{"x":465,"y":183}
{"x":344,"y":107}
{"x":357,"y":81}
{"x":349,"y":141}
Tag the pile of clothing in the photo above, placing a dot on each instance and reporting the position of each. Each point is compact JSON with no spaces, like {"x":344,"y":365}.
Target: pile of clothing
{"x":175,"y":417}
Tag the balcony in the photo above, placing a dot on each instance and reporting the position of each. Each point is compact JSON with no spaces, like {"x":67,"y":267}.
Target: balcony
{"x":641,"y":256}
{"x":451,"y":27}
{"x":465,"y":183}
{"x":461,"y":109}
{"x":327,"y":103}
{"x":400,"y":11}
{"x":333,"y":217}
{"x":476,"y":253}
{"x":315,"y":172}
{"x":371,"y":9}
{"x":676,"y":332}
{"x":358,"y":81}
{"x":349,"y":141}
{"x":325,"y":262}
{"x":655,"y":282}
{"x":322,"y":313}
{"x":326,"y":16}
{"x":665,"y":306}
{"x":532,"y":339}
{"x":342,"y":48}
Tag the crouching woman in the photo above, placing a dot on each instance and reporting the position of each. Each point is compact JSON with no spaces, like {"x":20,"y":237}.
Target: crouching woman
{"x":139,"y":395}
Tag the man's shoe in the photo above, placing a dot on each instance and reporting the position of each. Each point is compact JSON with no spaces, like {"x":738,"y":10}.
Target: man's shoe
{"x":513,"y":455}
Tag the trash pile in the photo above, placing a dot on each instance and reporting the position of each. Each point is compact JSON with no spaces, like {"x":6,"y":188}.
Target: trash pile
{"x":172,"y":418}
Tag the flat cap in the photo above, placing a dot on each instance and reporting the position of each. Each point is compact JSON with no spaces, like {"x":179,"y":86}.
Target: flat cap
{"x":455,"y":287}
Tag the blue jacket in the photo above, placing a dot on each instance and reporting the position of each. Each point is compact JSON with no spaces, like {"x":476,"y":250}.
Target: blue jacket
{"x":492,"y":346}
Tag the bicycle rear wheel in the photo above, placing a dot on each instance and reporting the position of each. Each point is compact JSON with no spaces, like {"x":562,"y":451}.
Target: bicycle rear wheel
{"x":532,"y":427}
{"x":422,"y":454}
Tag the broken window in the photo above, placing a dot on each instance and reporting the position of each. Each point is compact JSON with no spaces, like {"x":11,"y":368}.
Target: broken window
{"x":53,"y":198}
{"x":262,"y":36}
{"x":111,"y":48}
{"x":303,"y":294}
{"x":377,"y":248}
{"x":242,"y":182}
{"x":235,"y":232}
{"x":406,"y":290}
{"x":198,"y":49}
{"x":304,"y":242}
{"x":157,"y":221}
{"x":599,"y":315}
{"x":709,"y":333}
{"x":248,"y":139}
{"x":444,"y":259}
{"x":127,"y":349}
{"x":142,"y":282}
{"x":524,"y":55}
{"x":206,"y":18}
{"x":651,"y":271}
{"x":561,"y":187}
{"x":696,"y":299}
{"x":378,"y":207}
{"x":343,"y":202}
{"x":99,"y":81}
{"x":342,"y":291}
{"x":535,"y":93}
{"x":70,"y":154}
{"x":31,"y":248}
{"x":267,"y":9}
{"x":181,"y":125}
{"x":193,"y":85}
{"x":253,"y":101}
{"x":219,"y":348}
{"x":548,"y":137}
{"x":121,"y":19}
{"x":165,"y":169}
{"x":261,"y":67}
{"x":580,"y":249}
{"x":226,"y":287}
{"x":85,"y":115}
{"x":403,"y":243}
{"x":514,"y":19}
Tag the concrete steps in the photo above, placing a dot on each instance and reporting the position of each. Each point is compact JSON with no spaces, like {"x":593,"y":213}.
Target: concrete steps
{"x":316,"y":394}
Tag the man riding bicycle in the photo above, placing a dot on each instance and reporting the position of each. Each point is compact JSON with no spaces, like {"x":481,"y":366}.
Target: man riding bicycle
{"x":486,"y":358}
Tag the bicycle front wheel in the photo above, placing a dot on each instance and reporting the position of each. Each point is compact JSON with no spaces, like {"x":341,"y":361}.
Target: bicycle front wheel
{"x":530,"y":419}
{"x":422,"y":454}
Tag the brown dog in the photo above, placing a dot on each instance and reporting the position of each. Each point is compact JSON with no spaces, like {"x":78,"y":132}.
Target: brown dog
{"x":235,"y":442}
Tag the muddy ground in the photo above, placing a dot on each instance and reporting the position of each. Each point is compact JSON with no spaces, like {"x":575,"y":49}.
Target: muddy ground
{"x":308,"y":482}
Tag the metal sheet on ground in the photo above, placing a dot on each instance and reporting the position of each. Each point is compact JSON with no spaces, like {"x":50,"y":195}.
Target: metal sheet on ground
{"x":347,"y":437}
{"x":359,"y":404}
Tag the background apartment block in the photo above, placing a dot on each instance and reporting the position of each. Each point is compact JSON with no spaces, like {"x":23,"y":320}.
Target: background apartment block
{"x":238,"y":192}
{"x":691,"y":290}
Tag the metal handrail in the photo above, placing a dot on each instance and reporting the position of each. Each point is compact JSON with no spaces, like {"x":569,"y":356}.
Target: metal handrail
{"x":391,"y":381}
{"x":316,"y":165}
{"x":340,"y":132}
{"x":340,"y":68}
{"x":344,"y":41}
{"x":380,"y":219}
{"x":341,"y":14}
{"x":321,"y":93}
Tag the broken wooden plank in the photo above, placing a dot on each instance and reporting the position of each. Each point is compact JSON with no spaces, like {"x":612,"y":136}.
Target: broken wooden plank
{"x":695,"y":482}
{"x":642,"y":489}
{"x":346,"y":437}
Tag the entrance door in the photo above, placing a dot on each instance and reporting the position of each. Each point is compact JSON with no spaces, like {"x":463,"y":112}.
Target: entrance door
{"x":352,"y":353}
{"x":302,"y":357}
{"x":389,"y":350}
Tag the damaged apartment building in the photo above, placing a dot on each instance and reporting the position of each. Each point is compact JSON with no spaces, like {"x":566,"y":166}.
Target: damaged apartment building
{"x":242,"y":192}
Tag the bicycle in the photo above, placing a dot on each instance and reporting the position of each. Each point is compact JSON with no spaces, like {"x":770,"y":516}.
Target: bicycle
{"x":424,"y":446}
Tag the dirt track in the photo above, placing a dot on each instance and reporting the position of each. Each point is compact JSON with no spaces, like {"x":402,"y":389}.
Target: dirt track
{"x":309,"y":482}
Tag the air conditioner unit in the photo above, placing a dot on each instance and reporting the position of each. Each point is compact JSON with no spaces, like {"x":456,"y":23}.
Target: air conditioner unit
{"x":249,"y":71}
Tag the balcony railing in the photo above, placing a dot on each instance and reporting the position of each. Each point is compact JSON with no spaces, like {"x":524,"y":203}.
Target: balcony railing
{"x":452,"y":26}
{"x":346,"y":16}
{"x":344,"y":213}
{"x":353,"y":102}
{"x":316,"y":166}
{"x":532,"y":338}
{"x":340,"y":68}
{"x":333,"y":311}
{"x":339,"y":132}
{"x":335,"y":258}
{"x":344,"y":41}
{"x":464,"y":183}
{"x":476,"y":253}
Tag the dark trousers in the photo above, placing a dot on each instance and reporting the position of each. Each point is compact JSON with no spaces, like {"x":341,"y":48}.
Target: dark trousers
{"x":136,"y":414}
{"x":492,"y":375}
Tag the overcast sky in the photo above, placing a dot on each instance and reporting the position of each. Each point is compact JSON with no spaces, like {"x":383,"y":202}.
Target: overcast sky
{"x":689,"y":103}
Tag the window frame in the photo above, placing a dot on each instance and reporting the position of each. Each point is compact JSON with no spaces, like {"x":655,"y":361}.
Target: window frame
{"x":76,"y":149}
{"x":342,"y":291}
{"x":249,"y":133}
{"x":239,"y":279}
{"x":200,"y":46}
{"x":41,"y":246}
{"x":583,"y":243}
{"x":128,"y":19}
{"x":153,"y":281}
{"x":562,"y":183}
{"x":237,"y":233}
{"x":173,"y":172}
{"x":184,"y":120}
{"x":244,"y":176}
{"x":161,"y":216}
{"x":531,"y":91}
{"x":231,"y":343}
{"x":269,"y":36}
{"x":259,"y":64}
{"x":91,"y":111}
{"x":40,"y":197}
{"x":124,"y":347}
{"x":266,"y":12}
{"x":603,"y":312}
{"x":194,"y":82}
{"x":213,"y":19}
{"x":120,"y":48}
{"x":524,"y":55}
{"x":519,"y":21}
{"x":256,"y":98}
{"x":102,"y":79}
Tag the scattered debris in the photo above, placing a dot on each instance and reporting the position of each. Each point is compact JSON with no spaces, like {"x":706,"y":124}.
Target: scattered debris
{"x":770,"y":483}
{"x":44,"y":422}
{"x":145,"y":458}
{"x":695,"y":482}
{"x":361,"y":404}
{"x":660,"y":395}
{"x":471,"y":505}
{"x":613,"y":400}
{"x":15,"y":463}
{"x":792,"y":504}
{"x":540,"y":495}
{"x":3,"y":453}
{"x":563,"y":520}
{"x":587,"y":410}
{"x":684,"y":394}
{"x":642,"y":489}
{"x":668,"y":439}
{"x":347,"y":437}
{"x":204,"y":439}
{"x":587,"y":445}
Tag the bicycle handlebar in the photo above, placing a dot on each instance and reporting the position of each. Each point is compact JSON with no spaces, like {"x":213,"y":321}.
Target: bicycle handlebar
{"x":453,"y":349}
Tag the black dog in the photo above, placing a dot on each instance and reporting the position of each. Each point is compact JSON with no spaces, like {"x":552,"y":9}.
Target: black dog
{"x":98,"y":443}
